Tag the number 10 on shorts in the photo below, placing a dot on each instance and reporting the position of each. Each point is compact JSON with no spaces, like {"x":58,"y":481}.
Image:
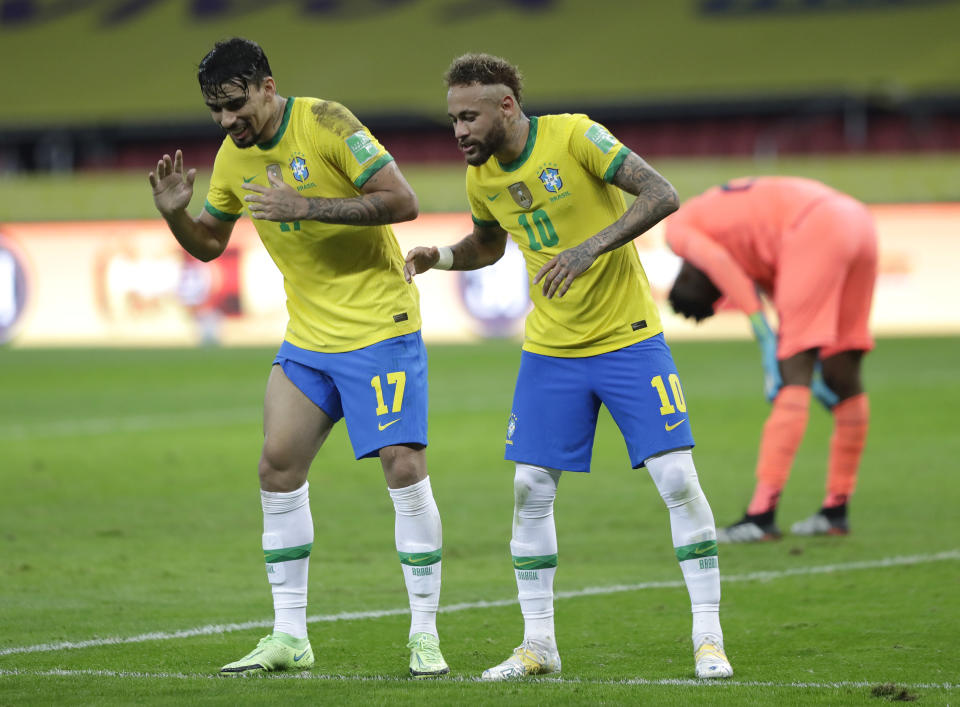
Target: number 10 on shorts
{"x":398,"y":379}
{"x":665,"y":407}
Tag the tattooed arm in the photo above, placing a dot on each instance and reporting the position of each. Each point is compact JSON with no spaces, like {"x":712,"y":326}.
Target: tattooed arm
{"x":656,"y":199}
{"x":483,"y":247}
{"x":386,"y":198}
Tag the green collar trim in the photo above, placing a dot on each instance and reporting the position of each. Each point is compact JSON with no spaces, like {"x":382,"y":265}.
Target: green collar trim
{"x":527,"y":149}
{"x":272,"y":142}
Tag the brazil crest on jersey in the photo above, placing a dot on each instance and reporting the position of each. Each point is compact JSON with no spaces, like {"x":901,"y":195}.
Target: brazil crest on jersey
{"x":554,"y":196}
{"x":344,"y":284}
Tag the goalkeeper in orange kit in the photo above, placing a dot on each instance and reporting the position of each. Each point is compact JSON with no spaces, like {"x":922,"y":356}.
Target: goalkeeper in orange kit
{"x":813,"y":252}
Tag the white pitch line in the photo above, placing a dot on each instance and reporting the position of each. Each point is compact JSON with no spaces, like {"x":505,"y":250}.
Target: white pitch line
{"x":129,"y":423}
{"x":307,"y":675}
{"x":216,"y":629}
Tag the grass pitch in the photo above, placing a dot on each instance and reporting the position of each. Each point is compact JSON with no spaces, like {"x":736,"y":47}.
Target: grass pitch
{"x":131,"y":566}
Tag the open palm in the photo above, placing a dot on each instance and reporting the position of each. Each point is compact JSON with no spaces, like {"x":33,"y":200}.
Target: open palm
{"x":172,"y":189}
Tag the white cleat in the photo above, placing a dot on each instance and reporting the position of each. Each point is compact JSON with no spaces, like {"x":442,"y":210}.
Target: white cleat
{"x":819,"y":524}
{"x":711,"y":660}
{"x":529,"y":658}
{"x":746,"y":531}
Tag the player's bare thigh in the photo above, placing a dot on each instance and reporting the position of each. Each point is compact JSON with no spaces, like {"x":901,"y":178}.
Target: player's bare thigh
{"x":294,"y":428}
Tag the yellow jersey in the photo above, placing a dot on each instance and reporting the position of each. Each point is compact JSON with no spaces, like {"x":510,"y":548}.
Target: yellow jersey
{"x":554,"y":196}
{"x":344,"y":284}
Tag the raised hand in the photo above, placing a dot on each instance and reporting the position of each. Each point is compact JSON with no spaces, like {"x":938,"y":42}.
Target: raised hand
{"x":172,"y":189}
{"x":419,"y":260}
{"x":278,"y":202}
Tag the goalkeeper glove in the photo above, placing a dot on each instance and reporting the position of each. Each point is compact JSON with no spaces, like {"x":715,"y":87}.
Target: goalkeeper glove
{"x":821,"y":391}
{"x":772,"y":382}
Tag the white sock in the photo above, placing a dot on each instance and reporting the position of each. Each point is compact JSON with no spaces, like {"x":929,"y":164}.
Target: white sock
{"x":287,"y":540}
{"x":534,"y":549}
{"x":419,"y":537}
{"x":694,"y":538}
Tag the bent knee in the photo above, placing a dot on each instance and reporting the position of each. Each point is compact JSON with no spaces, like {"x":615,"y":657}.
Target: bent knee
{"x":403,"y":465}
{"x":534,"y":486}
{"x":279,"y":471}
{"x":675,"y":478}
{"x":845,"y":386}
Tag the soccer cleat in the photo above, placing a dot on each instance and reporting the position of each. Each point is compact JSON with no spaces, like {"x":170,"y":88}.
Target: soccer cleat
{"x":426,"y":660}
{"x":711,"y":660}
{"x":749,"y":529}
{"x":278,"y":651}
{"x":820,"y":524}
{"x":529,"y":658}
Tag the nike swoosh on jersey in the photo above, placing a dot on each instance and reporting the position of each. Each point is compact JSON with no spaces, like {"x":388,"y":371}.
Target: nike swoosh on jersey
{"x":668,"y":427}
{"x":383,"y":427}
{"x":247,"y":181}
{"x":494,"y":197}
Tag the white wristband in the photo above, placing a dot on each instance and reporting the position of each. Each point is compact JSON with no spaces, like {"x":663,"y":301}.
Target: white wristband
{"x":446,"y":258}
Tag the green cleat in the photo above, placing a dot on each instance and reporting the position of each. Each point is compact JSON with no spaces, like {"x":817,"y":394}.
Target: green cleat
{"x":426,"y":660}
{"x":278,"y":651}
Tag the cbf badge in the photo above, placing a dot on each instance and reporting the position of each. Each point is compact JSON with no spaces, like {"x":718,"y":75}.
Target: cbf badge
{"x":511,"y":427}
{"x":550,"y":178}
{"x":298,"y":166}
{"x":521,"y":195}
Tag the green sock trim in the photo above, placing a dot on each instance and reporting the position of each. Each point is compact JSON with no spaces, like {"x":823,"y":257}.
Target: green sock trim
{"x":285,"y":554}
{"x":697,"y":551}
{"x":420,"y":559}
{"x":540,"y":562}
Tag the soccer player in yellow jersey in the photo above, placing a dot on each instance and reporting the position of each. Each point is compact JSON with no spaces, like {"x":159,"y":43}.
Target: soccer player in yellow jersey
{"x":554,"y":184}
{"x":322,"y":192}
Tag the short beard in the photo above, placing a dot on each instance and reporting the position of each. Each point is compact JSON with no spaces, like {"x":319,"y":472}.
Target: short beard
{"x":494,"y":141}
{"x":247,"y":142}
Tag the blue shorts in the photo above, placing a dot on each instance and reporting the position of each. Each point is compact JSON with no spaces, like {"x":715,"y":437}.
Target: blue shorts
{"x":381,"y":389}
{"x":556,"y":402}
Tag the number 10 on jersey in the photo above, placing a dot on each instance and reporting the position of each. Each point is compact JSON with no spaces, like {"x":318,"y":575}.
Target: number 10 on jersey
{"x":545,"y":230}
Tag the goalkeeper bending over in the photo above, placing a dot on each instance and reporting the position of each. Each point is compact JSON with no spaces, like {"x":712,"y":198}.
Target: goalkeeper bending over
{"x":813,"y":252}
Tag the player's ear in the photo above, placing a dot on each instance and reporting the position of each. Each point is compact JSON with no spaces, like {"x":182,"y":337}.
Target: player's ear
{"x":269,"y":87}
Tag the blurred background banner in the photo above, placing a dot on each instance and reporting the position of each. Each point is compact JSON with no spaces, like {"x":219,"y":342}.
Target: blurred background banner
{"x":128,"y":283}
{"x":861,"y":94}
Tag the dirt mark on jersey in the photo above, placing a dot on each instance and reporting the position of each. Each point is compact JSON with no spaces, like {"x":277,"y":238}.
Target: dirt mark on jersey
{"x":337,"y":119}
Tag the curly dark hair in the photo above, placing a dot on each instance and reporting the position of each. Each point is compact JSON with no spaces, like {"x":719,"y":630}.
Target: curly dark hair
{"x":486,"y":70}
{"x":693,"y":294}
{"x":235,"y":61}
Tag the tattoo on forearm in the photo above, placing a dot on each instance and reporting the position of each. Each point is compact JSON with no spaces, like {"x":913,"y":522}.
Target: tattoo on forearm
{"x":366,"y":210}
{"x":656,"y":199}
{"x":466,"y":255}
